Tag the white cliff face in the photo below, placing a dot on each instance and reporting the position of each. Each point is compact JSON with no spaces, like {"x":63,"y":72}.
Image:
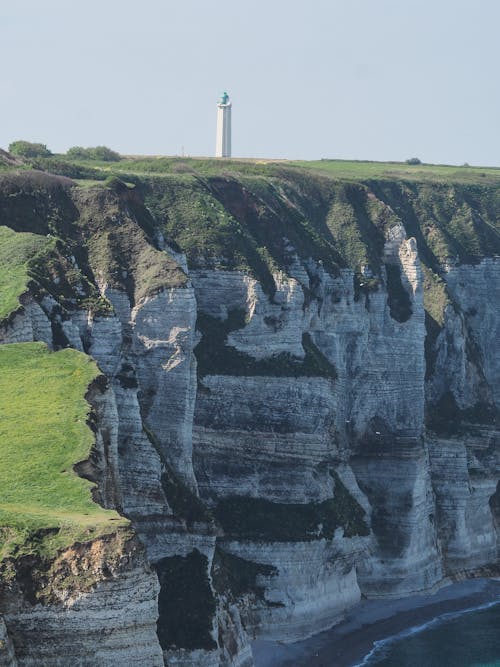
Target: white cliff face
{"x":379,"y":360}
{"x":29,"y":323}
{"x":274,"y":326}
{"x":281,"y":317}
{"x":164,"y":337}
{"x":266,"y":437}
{"x":406,"y":557}
{"x":103,"y":466}
{"x":454,"y":371}
{"x":147,"y":351}
{"x":272,"y":437}
{"x":109,"y":342}
{"x":282,"y":437}
{"x":235,"y":649}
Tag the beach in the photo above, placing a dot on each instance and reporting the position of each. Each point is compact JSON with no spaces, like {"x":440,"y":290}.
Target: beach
{"x":346,"y":644}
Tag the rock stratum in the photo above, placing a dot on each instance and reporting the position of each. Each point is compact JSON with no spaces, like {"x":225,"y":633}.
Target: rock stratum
{"x":298,"y":404}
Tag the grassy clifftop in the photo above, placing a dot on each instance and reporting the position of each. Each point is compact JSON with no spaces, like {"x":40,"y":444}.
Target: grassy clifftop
{"x":352,"y":170}
{"x":245,"y":215}
{"x":16,"y":252}
{"x":44,"y":505}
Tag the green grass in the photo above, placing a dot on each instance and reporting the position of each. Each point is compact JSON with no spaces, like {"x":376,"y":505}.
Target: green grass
{"x":435,"y":295}
{"x":16,"y":250}
{"x":26,"y":257}
{"x":44,"y":505}
{"x":364,"y":170}
{"x":357,"y":170}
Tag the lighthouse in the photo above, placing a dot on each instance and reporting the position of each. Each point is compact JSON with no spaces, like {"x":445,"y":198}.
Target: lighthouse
{"x":223,"y":145}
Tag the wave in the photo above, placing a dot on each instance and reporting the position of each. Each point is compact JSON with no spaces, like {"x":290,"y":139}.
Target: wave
{"x":381,"y":647}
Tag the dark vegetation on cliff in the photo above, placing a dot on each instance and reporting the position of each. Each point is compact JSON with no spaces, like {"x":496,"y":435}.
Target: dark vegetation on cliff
{"x":216,"y":357}
{"x":236,"y":577}
{"x":186,"y":603}
{"x":258,"y":519}
{"x":256,"y":216}
{"x":236,"y":214}
{"x":447,"y":419}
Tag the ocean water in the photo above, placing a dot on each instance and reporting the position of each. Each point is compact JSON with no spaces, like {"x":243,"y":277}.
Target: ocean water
{"x":470,"y":638}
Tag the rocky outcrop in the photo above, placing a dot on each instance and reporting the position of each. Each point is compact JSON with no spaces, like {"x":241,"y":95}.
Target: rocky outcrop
{"x":98,"y":606}
{"x":465,"y":477}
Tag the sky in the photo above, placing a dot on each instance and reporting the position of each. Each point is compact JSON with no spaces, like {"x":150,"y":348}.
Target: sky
{"x":349,"y":79}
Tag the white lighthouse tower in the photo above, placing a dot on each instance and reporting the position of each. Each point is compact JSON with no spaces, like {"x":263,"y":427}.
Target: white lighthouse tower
{"x":223,"y":145}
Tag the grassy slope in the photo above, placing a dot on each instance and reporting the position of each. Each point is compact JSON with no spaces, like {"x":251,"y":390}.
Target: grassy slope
{"x":16,"y":250}
{"x":94,"y":233}
{"x":43,"y":433}
{"x":117,"y":232}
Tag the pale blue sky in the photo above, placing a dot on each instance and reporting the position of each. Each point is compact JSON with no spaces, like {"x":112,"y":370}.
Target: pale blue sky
{"x":362,"y":79}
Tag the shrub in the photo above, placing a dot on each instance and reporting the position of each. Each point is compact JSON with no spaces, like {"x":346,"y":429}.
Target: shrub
{"x":28,"y":149}
{"x":102,"y":153}
{"x":413,"y":160}
{"x":78,"y":153}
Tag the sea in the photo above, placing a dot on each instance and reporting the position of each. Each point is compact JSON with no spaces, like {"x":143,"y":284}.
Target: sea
{"x":469,"y":638}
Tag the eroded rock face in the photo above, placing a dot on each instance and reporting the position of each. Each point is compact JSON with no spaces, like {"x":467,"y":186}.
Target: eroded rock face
{"x":315,"y":578}
{"x":164,"y":337}
{"x":228,"y":406}
{"x":111,"y":621}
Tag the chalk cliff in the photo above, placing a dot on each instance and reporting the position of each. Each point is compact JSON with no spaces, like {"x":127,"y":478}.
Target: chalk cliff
{"x":300,"y":404}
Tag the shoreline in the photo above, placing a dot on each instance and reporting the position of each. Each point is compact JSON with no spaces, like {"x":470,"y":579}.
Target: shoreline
{"x":346,"y":644}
